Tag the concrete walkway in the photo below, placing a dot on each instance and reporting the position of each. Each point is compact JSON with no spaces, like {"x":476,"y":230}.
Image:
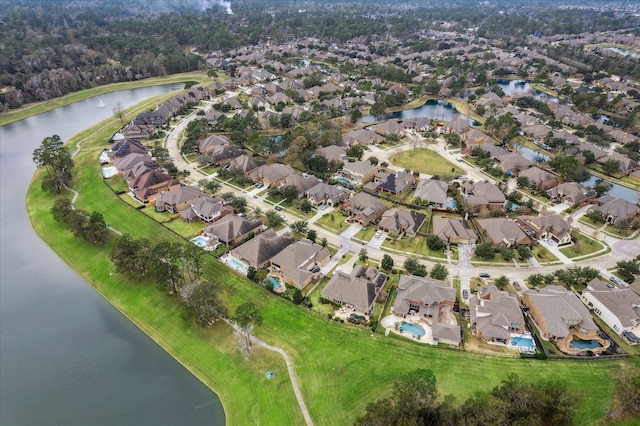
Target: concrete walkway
{"x":292,"y":375}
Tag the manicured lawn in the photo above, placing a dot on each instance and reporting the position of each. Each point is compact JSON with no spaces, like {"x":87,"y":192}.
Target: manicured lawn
{"x":425,"y":161}
{"x":340,"y":368}
{"x":582,"y":246}
{"x":416,"y":245}
{"x":334,"y":221}
{"x":117,"y":183}
{"x":542,"y":255}
{"x":314,"y":297}
{"x":366,"y":235}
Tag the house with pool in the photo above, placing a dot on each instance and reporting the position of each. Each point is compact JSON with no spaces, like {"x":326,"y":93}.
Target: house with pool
{"x":258,"y":251}
{"x":297,"y":265}
{"x":423,"y":309}
{"x":562,"y":318}
{"x":496,"y":318}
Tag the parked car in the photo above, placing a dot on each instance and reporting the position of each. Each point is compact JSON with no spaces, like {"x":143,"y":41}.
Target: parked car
{"x":516,"y":284}
{"x":260,"y":185}
{"x":315,"y":269}
{"x":283,"y":217}
{"x":278,"y":208}
{"x":465,"y":294}
{"x":484,"y":275}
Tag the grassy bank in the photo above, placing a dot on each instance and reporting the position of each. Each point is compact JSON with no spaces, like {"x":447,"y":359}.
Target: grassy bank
{"x":40,"y":107}
{"x":340,"y":368}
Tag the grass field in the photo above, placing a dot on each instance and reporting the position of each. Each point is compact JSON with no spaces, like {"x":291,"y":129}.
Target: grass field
{"x":425,"y":161}
{"x":582,"y":246}
{"x":340,"y":368}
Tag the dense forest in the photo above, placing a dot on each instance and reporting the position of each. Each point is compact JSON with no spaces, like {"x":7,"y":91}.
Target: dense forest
{"x":49,"y":48}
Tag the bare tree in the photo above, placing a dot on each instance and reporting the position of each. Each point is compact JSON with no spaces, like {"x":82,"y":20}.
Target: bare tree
{"x":118,"y":111}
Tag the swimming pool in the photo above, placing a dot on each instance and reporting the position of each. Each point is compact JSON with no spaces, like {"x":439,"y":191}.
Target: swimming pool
{"x":344,"y":181}
{"x":581,"y":345}
{"x":414,"y":329}
{"x":451,"y":205}
{"x":274,"y":281}
{"x":200,"y":241}
{"x":525,"y":342}
{"x":236,"y":264}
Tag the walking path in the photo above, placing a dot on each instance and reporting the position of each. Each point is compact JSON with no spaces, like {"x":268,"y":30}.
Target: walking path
{"x":292,"y":375}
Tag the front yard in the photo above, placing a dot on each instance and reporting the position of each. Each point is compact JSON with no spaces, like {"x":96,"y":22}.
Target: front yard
{"x":416,"y":245}
{"x":334,"y":221}
{"x":582,"y":246}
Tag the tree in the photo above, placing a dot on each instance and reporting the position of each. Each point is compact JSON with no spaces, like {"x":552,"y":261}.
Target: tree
{"x":62,"y":210}
{"x":534,"y":280}
{"x":622,"y":225}
{"x":596,"y":216}
{"x":312,"y":235}
{"x":297,"y":296}
{"x":118,"y":111}
{"x":210,"y":185}
{"x":251,"y":273}
{"x":131,"y":257}
{"x":203,"y":303}
{"x":356,"y":151}
{"x":439,"y":272}
{"x":355,"y":115}
{"x":300,"y":226}
{"x":54,"y":157}
{"x":412,"y":266}
{"x":501,"y":282}
{"x":289,"y":192}
{"x":377,"y":109}
{"x":246,"y":317}
{"x":435,"y":243}
{"x":386,"y":263}
{"x":363,"y":256}
{"x":611,"y":167}
{"x":485,"y":251}
{"x":373,"y":160}
{"x":524,"y":252}
{"x":602,"y":187}
{"x":274,"y":220}
{"x":628,"y":269}
{"x":523,"y":182}
{"x":166,"y":258}
{"x":306,"y":206}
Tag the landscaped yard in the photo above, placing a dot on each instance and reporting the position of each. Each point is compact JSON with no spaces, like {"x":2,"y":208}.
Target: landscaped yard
{"x":367,"y":234}
{"x":582,"y":246}
{"x":335,"y":221}
{"x":416,"y":245}
{"x":425,"y":161}
{"x":542,"y":255}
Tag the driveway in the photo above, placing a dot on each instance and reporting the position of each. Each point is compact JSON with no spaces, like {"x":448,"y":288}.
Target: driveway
{"x":464,"y":254}
{"x":376,"y":242}
{"x":351,"y":231}
{"x":553,"y":248}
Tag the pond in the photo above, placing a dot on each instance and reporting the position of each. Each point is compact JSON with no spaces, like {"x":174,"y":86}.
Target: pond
{"x":518,"y":87}
{"x":432,"y":109}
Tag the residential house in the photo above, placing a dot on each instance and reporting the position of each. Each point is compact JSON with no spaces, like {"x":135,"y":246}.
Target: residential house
{"x":301,"y":182}
{"x":128,"y":162}
{"x":425,"y":298}
{"x":361,"y":137}
{"x":457,"y":125}
{"x":492,"y":149}
{"x":225,"y":154}
{"x":513,"y":163}
{"x":395,"y":183}
{"x":617,"y":208}
{"x":453,"y":230}
{"x":148,"y":186}
{"x":232,"y":230}
{"x":359,"y":171}
{"x":358,"y":289}
{"x":258,"y":251}
{"x":433,"y":191}
{"x":270,"y":174}
{"x":419,"y":124}
{"x":177,"y":200}
{"x":538,"y":178}
{"x":399,"y":221}
{"x":627,"y":165}
{"x":552,"y":226}
{"x":297,"y":264}
{"x":333,"y":153}
{"x":618,"y":307}
{"x":207,"y":145}
{"x":389,"y":128}
{"x":364,"y":208}
{"x":124,"y":147}
{"x":245,"y":163}
{"x":325,"y":194}
{"x":572,"y":193}
{"x":502,"y":232}
{"x":483,"y":194}
{"x":495,"y":315}
{"x":474,"y":137}
{"x":559,"y":314}
{"x":207,"y":209}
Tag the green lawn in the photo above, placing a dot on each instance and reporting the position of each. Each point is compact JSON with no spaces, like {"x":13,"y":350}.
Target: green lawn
{"x":542,"y":255}
{"x":366,"y":235}
{"x":340,"y":368}
{"x":582,"y":246}
{"x":425,"y":161}
{"x":416,"y":245}
{"x":335,"y":221}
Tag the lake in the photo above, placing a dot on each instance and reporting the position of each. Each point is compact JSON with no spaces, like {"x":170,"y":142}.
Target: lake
{"x":432,"y":109}
{"x":67,"y":357}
